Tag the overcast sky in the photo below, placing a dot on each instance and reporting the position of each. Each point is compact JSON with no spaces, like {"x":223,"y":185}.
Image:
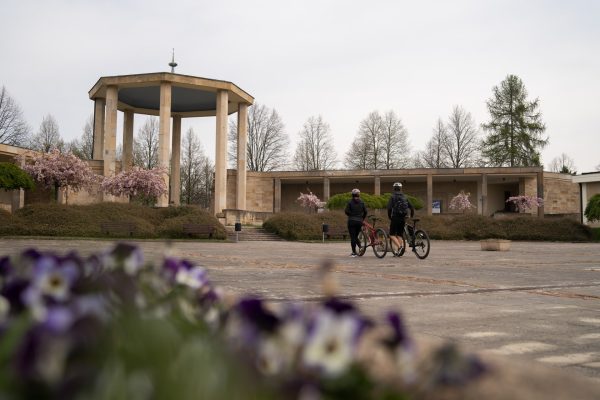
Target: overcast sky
{"x":339,"y":59}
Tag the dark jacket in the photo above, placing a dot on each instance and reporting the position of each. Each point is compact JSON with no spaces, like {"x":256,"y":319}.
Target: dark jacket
{"x":392,"y":200}
{"x":356,"y":210}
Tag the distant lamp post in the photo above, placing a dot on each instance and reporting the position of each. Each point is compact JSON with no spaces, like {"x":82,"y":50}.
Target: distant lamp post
{"x":173,"y":64}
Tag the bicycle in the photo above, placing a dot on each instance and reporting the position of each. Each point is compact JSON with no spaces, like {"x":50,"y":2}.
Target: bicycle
{"x":374,"y":237}
{"x":417,"y":239}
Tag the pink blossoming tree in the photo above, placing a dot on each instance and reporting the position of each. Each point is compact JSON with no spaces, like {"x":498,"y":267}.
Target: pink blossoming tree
{"x":524,"y":203}
{"x":148,"y":184}
{"x":58,"y":170}
{"x":461,"y":202}
{"x":310,"y":201}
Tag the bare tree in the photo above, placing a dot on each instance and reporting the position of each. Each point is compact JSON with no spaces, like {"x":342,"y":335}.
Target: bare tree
{"x":315,"y":151}
{"x":84,"y":146}
{"x":14,"y":130}
{"x":358,"y":156}
{"x":463,"y":144}
{"x":434,"y":155}
{"x":48,"y":137}
{"x":395,"y":148}
{"x":563,"y":164}
{"x":381,"y":143}
{"x":197,"y":172}
{"x":145,"y":145}
{"x":370,"y":130}
{"x":267,"y":145}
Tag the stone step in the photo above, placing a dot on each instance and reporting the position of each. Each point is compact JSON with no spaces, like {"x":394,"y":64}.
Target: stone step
{"x":251,"y":233}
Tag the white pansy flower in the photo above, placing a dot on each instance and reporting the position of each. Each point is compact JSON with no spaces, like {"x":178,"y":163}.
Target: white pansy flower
{"x":330,"y":346}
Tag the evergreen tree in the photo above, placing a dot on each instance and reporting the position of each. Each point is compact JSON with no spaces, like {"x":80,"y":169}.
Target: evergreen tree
{"x":515,"y":131}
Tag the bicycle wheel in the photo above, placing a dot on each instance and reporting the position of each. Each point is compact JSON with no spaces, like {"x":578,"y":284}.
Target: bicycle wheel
{"x":380,"y":245}
{"x":398,"y":251}
{"x":421,"y":248}
{"x":363,"y":240}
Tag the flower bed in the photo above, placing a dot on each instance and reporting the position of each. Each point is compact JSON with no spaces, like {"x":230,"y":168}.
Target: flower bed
{"x":112,"y":326}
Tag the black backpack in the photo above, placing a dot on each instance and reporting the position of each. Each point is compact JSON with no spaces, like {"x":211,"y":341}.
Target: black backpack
{"x":399,"y":206}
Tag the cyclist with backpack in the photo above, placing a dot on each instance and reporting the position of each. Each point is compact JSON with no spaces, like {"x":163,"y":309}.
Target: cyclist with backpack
{"x":356,"y":210}
{"x":397,"y":209}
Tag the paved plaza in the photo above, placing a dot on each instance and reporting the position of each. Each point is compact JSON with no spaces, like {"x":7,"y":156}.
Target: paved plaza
{"x":537,"y":302}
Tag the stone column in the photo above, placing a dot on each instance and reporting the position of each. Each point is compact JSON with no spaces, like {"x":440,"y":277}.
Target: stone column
{"x":17,"y":200}
{"x":326,"y":192}
{"x":429,"y":194}
{"x":484,"y":195}
{"x":176,"y":162}
{"x":242,"y":140}
{"x":277,"y":195}
{"x":127,"y":160}
{"x":584,"y":201}
{"x":99,"y":112}
{"x":164,"y":137}
{"x":110,"y":131}
{"x":221,"y":152}
{"x":540,"y":192}
{"x":377,"y":188}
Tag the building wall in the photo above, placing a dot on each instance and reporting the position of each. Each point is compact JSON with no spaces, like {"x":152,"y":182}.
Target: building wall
{"x":561,"y":195}
{"x":6,"y":200}
{"x":259,"y":191}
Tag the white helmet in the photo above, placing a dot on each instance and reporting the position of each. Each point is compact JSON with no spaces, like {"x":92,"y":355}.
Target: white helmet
{"x":397,"y":186}
{"x":355,"y":192}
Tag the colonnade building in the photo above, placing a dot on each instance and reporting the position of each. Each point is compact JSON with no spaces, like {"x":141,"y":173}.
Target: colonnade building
{"x":246,"y":196}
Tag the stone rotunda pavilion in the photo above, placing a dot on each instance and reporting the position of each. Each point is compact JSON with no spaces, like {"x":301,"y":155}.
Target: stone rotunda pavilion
{"x":172,"y":97}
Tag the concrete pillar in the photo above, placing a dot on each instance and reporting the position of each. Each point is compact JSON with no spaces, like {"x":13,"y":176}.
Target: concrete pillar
{"x":326,"y":192}
{"x":484,"y":194}
{"x":277,"y":195}
{"x":110,"y":131}
{"x":99,"y":112}
{"x":540,"y":192}
{"x":479,"y":204}
{"x":221,"y":152}
{"x":242,"y":140}
{"x":127,"y":160}
{"x":584,"y":196}
{"x":429,"y":194}
{"x":164,"y":137}
{"x":17,"y":200}
{"x":176,"y":162}
{"x":377,"y":188}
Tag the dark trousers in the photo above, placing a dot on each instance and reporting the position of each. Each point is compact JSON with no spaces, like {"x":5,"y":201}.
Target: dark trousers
{"x":353,"y":230}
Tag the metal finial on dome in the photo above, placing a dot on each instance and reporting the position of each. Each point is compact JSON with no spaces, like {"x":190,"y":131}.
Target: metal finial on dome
{"x":173,"y":64}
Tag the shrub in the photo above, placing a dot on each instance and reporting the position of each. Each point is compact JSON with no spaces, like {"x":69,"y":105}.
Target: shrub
{"x":297,"y":226}
{"x":300,"y":226}
{"x":339,"y":201}
{"x":477,"y":227}
{"x":12,"y":177}
{"x":85,"y":220}
{"x":172,"y":227}
{"x":592,"y":210}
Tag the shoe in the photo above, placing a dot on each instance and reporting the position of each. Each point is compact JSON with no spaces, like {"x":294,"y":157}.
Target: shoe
{"x":353,"y":255}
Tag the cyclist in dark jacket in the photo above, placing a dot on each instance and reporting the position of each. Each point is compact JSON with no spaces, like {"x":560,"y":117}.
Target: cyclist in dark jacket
{"x":397,"y":218}
{"x":356,"y":212}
